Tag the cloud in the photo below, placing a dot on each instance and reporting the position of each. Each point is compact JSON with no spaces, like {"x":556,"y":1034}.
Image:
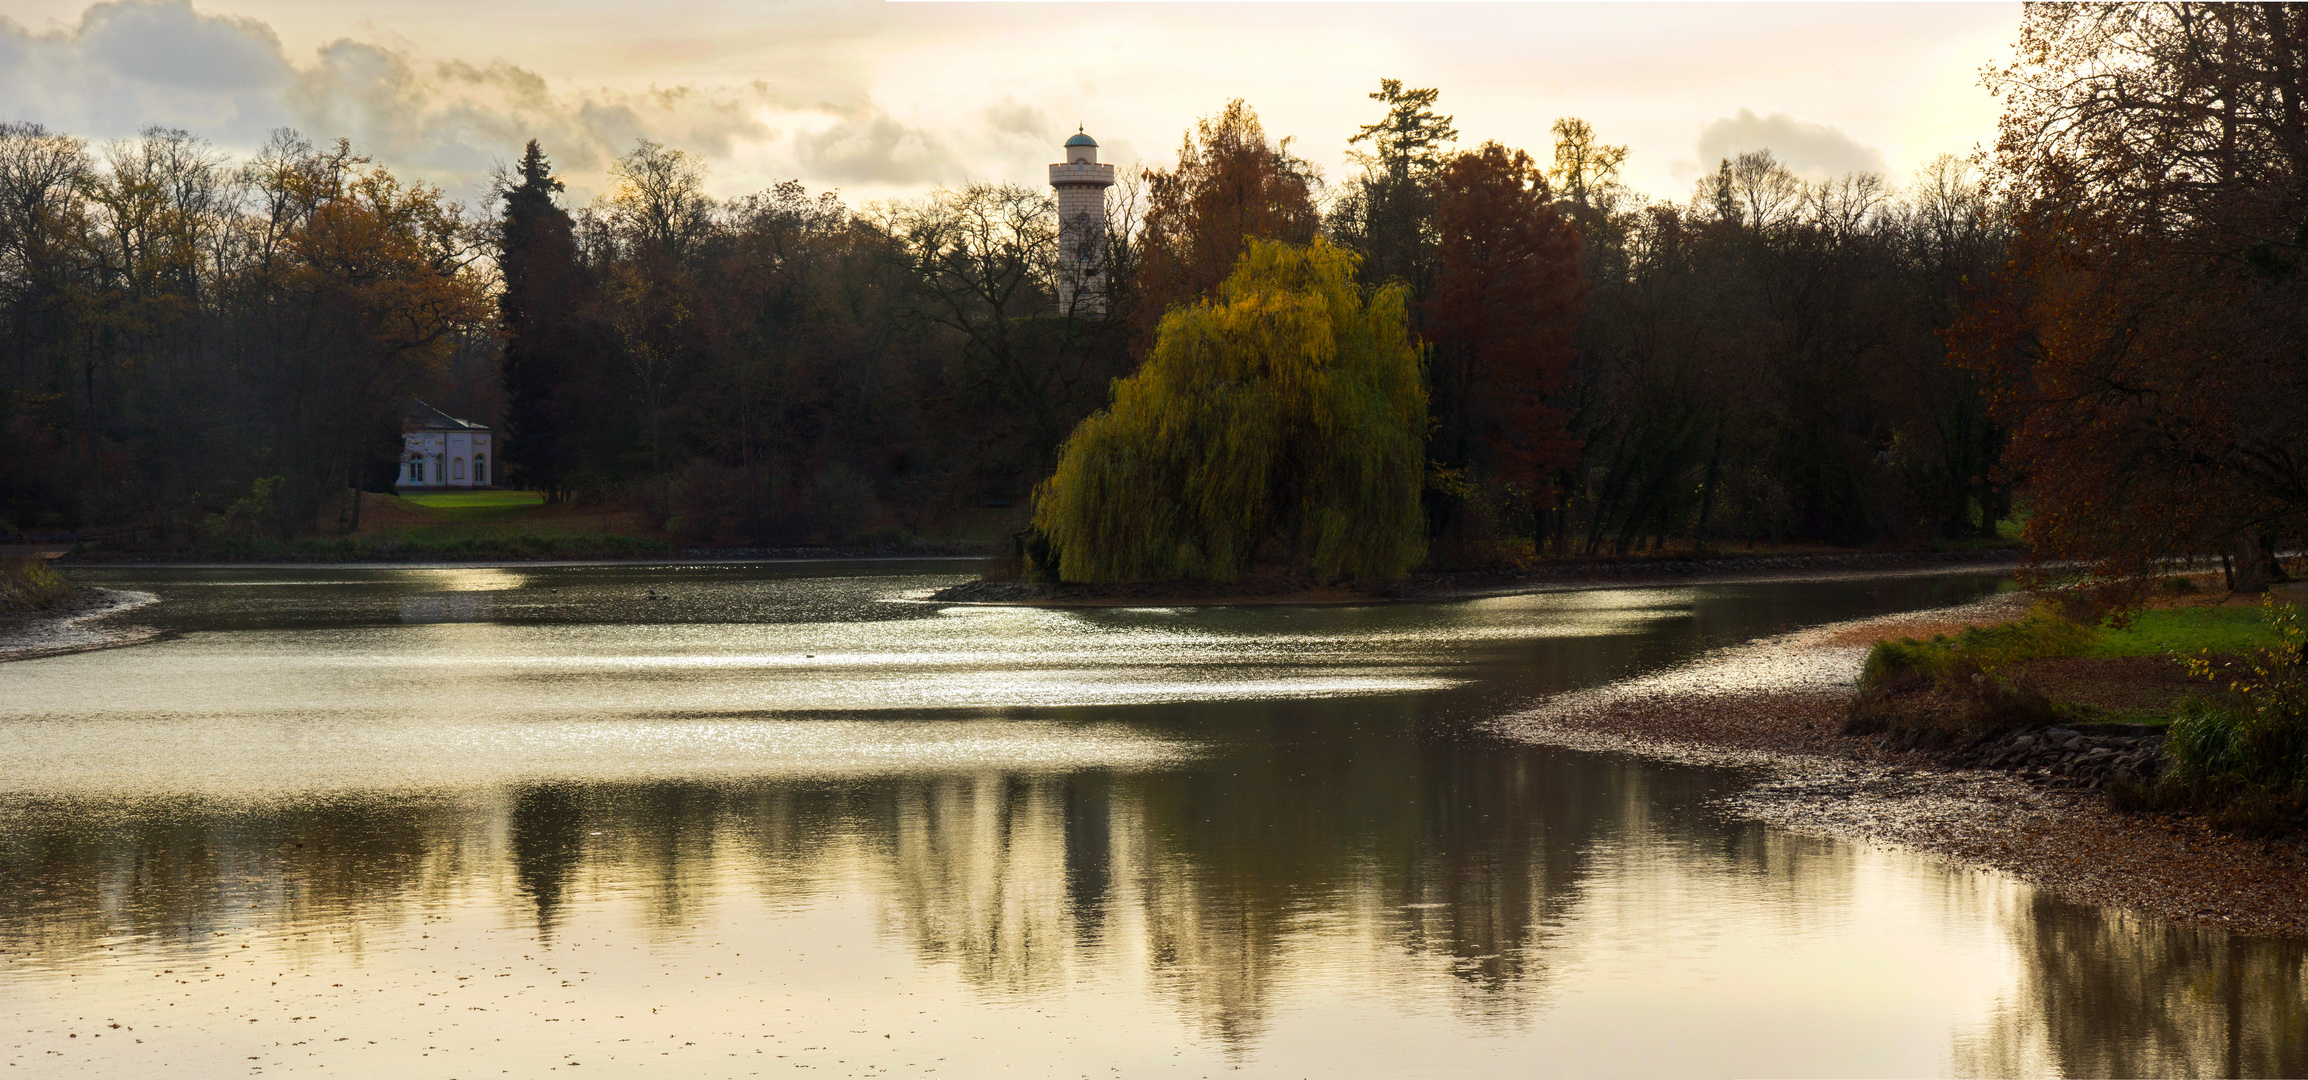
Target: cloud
{"x":870,"y":146}
{"x":1809,"y":149}
{"x":1013,"y":117}
{"x":130,"y":64}
{"x":456,"y":118}
{"x":175,"y":46}
{"x":136,"y":63}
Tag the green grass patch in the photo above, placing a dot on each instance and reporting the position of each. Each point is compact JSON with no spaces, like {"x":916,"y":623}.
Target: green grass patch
{"x":2044,"y":634}
{"x":477,"y":507}
{"x":2221,"y":631}
{"x":445,"y":499}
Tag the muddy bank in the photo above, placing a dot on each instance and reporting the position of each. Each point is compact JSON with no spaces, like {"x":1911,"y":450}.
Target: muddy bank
{"x":82,"y":622}
{"x":1463,"y":585}
{"x":2030,"y":810}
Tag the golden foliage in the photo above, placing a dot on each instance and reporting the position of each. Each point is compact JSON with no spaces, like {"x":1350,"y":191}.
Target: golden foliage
{"x":1289,"y":412}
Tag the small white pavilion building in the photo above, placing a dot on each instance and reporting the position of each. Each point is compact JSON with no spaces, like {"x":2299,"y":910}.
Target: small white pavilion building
{"x":441,"y":451}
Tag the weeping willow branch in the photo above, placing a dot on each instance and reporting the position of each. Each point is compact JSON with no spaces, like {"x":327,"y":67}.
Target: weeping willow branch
{"x":1287,"y":417}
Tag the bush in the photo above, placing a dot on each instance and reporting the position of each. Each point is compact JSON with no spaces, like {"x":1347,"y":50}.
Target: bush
{"x":254,"y":516}
{"x":30,"y":585}
{"x":2045,"y":633}
{"x":1953,"y":688}
{"x":2244,"y":760}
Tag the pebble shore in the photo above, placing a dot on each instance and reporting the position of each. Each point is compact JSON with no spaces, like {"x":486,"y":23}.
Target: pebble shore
{"x":2029,"y":809}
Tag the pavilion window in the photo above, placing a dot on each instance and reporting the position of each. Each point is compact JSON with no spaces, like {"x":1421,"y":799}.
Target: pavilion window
{"x":481,"y":470}
{"x":457,"y":468}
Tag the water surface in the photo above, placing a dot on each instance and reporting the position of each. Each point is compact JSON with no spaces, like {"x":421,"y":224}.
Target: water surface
{"x":789,"y":820}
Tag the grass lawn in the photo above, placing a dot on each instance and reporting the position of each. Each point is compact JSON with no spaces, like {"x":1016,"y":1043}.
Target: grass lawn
{"x":477,"y":506}
{"x":2186,"y":631}
{"x":2132,"y":675}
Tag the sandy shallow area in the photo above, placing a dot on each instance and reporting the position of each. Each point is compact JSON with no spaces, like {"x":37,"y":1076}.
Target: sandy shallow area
{"x":1776,"y":706}
{"x":79,"y":624}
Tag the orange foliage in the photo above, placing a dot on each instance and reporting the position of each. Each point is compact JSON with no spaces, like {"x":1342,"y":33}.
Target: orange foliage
{"x":1230,"y":185}
{"x":1506,"y":302}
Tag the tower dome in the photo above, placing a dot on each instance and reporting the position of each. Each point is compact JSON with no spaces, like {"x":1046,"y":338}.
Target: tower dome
{"x":1081,"y":148}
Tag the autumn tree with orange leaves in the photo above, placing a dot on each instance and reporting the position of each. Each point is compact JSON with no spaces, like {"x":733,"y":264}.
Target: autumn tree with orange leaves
{"x":1506,"y":303}
{"x":2148,"y":341}
{"x":1231,"y":185}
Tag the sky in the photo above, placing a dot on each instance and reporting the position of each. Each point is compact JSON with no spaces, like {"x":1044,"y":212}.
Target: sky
{"x":888,"y":100}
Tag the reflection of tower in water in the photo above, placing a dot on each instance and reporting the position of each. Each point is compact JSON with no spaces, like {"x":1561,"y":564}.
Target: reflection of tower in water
{"x":1081,"y":184}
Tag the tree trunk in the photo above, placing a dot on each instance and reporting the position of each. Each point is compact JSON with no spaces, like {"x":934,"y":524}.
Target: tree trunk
{"x":1707,"y":493}
{"x":2251,"y":572}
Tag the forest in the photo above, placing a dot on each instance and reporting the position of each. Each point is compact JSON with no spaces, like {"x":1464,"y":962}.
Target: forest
{"x":2098,"y":318}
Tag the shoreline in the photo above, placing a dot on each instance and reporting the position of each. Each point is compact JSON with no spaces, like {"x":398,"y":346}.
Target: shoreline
{"x":32,"y":635}
{"x":493,"y":564}
{"x":1478,"y":585}
{"x":1775,"y":707}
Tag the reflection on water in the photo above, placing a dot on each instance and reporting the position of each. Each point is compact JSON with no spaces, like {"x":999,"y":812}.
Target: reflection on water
{"x":802,"y":821}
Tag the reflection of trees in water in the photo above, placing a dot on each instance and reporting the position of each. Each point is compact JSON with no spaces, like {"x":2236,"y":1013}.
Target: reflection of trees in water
{"x":1407,"y":864}
{"x":1493,"y":868}
{"x":977,"y":871}
{"x":546,"y":832}
{"x":2108,"y":993}
{"x":179,"y":874}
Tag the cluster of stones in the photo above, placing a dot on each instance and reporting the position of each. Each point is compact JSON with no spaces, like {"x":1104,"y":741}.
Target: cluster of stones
{"x":2065,"y":757}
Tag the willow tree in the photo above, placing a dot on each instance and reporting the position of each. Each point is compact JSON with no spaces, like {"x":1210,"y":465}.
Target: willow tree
{"x":1285,"y":420}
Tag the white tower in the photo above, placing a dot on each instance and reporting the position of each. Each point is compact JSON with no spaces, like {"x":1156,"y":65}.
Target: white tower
{"x":1081,"y":184}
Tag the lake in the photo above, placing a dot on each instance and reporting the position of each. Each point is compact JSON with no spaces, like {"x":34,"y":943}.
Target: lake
{"x":791,"y":819}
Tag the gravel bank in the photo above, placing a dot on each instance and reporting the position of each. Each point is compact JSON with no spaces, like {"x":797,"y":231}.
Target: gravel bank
{"x":76,"y":625}
{"x":1776,"y":707}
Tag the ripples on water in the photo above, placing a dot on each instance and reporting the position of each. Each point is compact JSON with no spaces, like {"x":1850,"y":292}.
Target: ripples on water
{"x":509,"y":822}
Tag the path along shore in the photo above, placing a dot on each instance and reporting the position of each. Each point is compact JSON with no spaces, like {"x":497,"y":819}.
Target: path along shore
{"x":1777,"y":705}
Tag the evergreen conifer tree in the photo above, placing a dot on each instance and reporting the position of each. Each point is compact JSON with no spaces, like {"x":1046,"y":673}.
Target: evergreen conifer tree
{"x":537,"y":258}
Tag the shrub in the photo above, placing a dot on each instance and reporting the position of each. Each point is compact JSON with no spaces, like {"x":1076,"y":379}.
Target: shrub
{"x":1953,"y":687}
{"x":30,"y":585}
{"x":2045,"y":633}
{"x":2244,"y":760}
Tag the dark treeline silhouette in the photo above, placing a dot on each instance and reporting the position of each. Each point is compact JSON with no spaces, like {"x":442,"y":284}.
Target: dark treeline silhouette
{"x":206,"y":348}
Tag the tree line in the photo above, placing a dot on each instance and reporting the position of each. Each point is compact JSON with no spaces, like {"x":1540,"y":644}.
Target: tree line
{"x":197,"y":343}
